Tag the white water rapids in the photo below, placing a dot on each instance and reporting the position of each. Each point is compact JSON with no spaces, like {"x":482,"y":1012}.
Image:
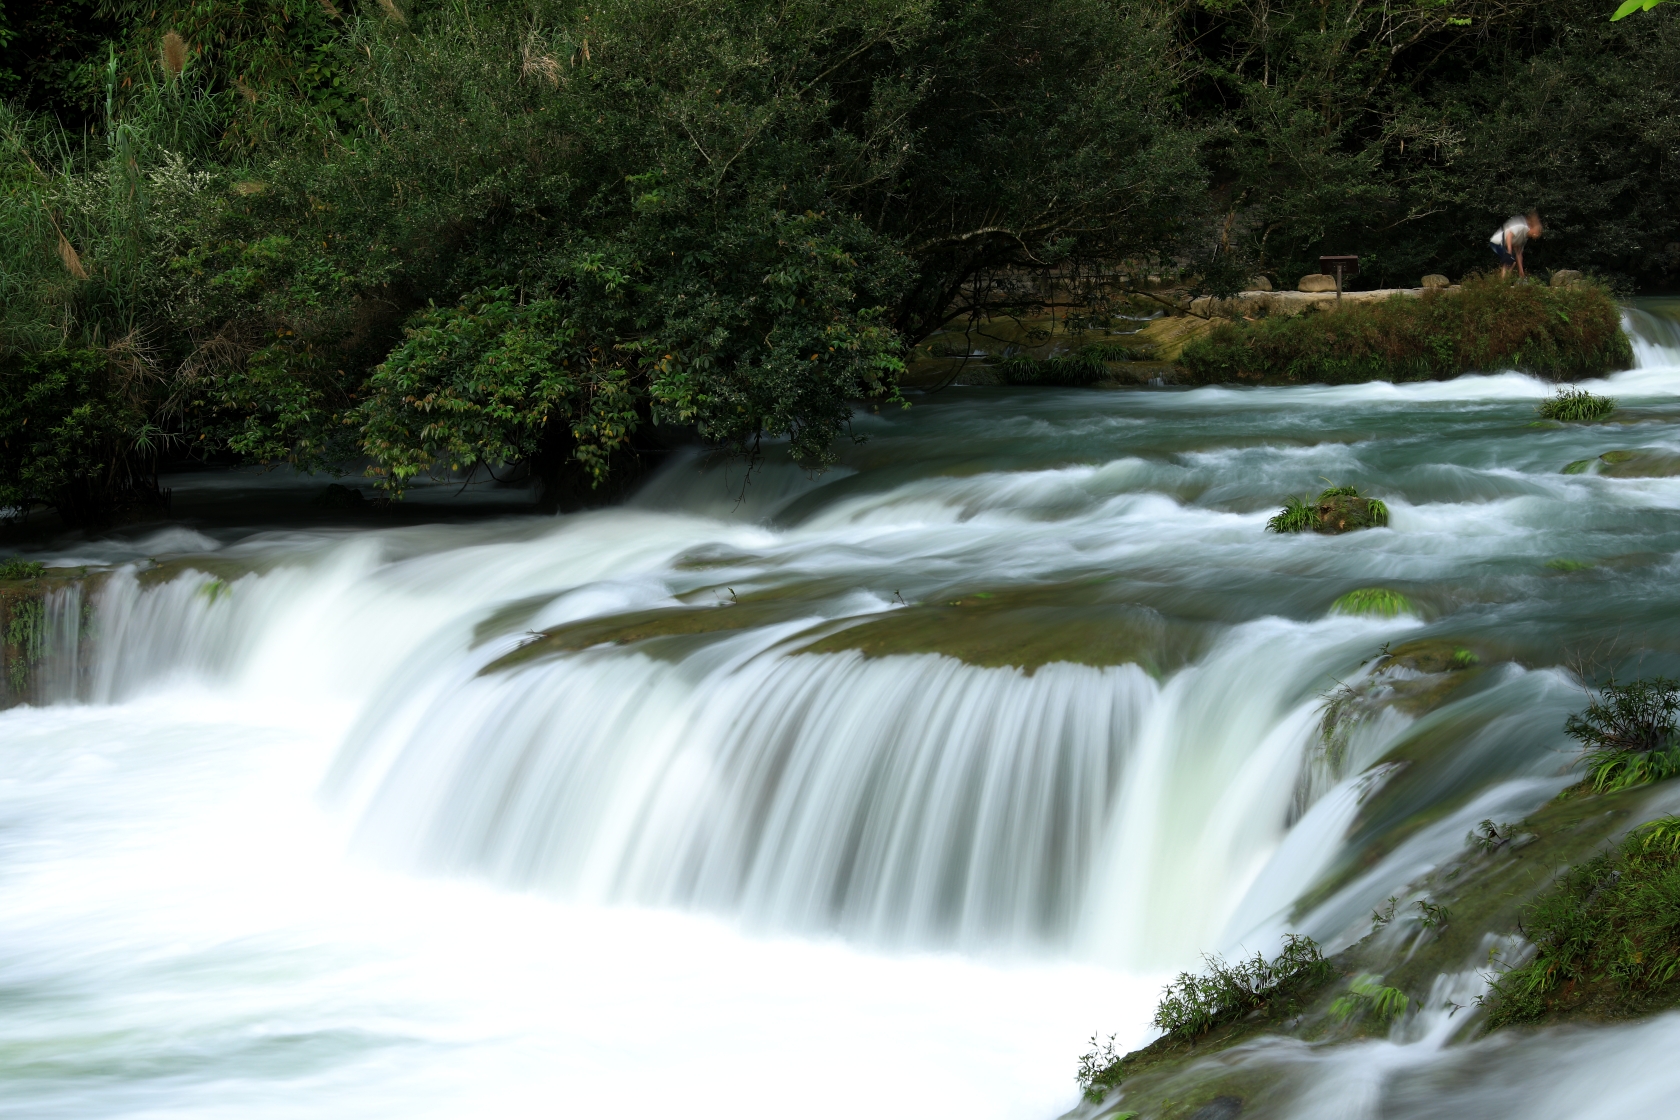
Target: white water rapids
{"x":286,"y":844}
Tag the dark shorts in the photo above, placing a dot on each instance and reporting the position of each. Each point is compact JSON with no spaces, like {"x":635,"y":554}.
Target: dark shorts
{"x":1504,"y":254}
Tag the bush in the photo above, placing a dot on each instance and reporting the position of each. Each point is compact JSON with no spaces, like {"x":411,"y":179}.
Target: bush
{"x":1607,"y":935}
{"x":1192,"y":1004}
{"x":75,"y":435}
{"x":17,"y":568}
{"x":1576,"y":405}
{"x":1339,"y":509}
{"x":1487,"y":325}
{"x":1627,"y":734}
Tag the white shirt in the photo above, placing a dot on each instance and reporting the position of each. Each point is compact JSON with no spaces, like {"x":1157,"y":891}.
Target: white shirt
{"x":1517,"y":228}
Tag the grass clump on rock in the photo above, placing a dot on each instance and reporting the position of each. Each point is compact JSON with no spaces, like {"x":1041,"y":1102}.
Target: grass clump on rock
{"x":1193,"y":1005}
{"x":1378,"y":601}
{"x":1576,"y":406}
{"x":1607,"y":936}
{"x":1486,"y":325}
{"x":1339,"y":509}
{"x":1628,"y":734}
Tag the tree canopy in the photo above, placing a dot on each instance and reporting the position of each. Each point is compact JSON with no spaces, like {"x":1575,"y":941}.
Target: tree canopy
{"x":545,"y":237}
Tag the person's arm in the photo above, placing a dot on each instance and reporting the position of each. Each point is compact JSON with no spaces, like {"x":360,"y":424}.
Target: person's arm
{"x":1518,"y":255}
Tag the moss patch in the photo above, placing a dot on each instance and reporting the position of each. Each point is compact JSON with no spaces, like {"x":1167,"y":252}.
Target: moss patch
{"x":641,"y":627}
{"x":1013,"y":629}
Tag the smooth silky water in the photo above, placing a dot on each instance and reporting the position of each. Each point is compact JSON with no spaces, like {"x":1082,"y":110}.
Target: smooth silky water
{"x":867,"y":794}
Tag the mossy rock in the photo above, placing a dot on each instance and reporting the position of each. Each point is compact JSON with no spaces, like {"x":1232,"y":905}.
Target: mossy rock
{"x":23,"y":636}
{"x":1014,"y":630}
{"x":1339,"y":509}
{"x":641,"y":627}
{"x":1644,"y":462}
{"x":1379,"y":602}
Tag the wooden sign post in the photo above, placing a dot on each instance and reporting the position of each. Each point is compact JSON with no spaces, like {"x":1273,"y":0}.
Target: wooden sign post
{"x":1341,"y":267}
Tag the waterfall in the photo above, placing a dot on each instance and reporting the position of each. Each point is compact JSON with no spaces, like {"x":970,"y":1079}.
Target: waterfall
{"x":924,"y":769}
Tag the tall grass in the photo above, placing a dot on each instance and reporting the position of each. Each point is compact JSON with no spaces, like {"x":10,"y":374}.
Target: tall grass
{"x":1607,"y":935}
{"x":1575,"y":405}
{"x":1485,"y":326}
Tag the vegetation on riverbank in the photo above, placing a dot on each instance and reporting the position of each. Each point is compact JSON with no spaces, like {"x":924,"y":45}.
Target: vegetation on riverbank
{"x":550,"y":240}
{"x":1487,"y":325}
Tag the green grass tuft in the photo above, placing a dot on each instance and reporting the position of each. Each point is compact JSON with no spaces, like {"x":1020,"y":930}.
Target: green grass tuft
{"x":1607,"y":935}
{"x":1338,"y":509}
{"x":1577,"y":406}
{"x":1379,"y":601}
{"x":1487,"y":325}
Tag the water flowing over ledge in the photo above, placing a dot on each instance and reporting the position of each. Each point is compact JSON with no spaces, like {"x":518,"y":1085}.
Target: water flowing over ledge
{"x":288,"y":819}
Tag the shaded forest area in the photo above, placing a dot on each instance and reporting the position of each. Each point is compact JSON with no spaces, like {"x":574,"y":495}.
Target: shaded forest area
{"x":549,"y":239}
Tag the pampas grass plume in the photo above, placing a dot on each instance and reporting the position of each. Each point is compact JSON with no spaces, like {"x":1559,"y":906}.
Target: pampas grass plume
{"x":72,"y":261}
{"x":174,"y":53}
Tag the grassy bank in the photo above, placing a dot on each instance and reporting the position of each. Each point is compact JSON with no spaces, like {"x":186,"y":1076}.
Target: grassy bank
{"x":1486,"y":325}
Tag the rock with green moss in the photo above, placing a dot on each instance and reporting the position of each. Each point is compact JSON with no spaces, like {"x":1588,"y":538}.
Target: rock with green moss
{"x":1642,"y":462}
{"x":1339,"y":509}
{"x":1380,"y":602}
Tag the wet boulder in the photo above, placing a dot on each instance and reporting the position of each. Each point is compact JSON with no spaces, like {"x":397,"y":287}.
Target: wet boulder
{"x":1642,"y":462}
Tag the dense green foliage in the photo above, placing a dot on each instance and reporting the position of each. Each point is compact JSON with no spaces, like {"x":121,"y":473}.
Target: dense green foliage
{"x":1628,"y":733}
{"x":1339,"y":509}
{"x":1488,"y":325}
{"x":1575,"y":405}
{"x":527,"y":235}
{"x":317,"y":232}
{"x":1607,"y":936}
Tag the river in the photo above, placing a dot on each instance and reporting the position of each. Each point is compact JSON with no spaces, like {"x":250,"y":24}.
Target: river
{"x":874,"y":793}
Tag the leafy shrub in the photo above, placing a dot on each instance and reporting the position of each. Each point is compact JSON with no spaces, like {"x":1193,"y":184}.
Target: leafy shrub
{"x":1575,"y":405}
{"x":1627,"y":734}
{"x":1193,"y":1004}
{"x":1607,"y":935}
{"x":19,"y":568}
{"x":1379,"y":601}
{"x":1339,"y":509}
{"x":1486,"y":326}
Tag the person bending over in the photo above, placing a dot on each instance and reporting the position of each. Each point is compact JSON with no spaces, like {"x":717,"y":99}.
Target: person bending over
{"x":1508,"y":241}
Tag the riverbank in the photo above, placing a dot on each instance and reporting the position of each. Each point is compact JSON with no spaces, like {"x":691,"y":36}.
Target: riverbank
{"x":1567,"y":329}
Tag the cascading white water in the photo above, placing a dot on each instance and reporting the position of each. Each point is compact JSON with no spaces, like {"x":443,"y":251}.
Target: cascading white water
{"x":303,"y":839}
